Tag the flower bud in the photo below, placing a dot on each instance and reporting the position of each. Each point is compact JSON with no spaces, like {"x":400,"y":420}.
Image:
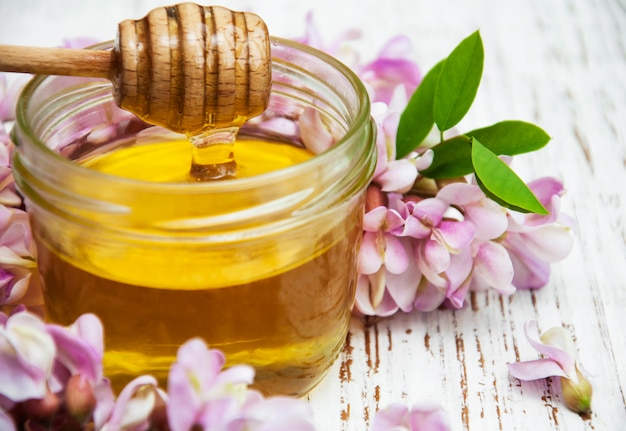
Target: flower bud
{"x":79,"y":398}
{"x":375,"y":198}
{"x":577,"y":393}
{"x":158,"y":417}
{"x":412,"y":198}
{"x":41,"y":409}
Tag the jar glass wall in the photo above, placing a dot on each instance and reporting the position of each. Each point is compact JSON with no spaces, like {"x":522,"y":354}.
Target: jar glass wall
{"x":263,"y":268}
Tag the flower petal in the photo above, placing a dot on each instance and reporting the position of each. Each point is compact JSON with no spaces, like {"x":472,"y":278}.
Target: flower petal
{"x":536,"y":369}
{"x":433,"y":259}
{"x":369,"y":259}
{"x":26,"y":353}
{"x":395,"y":416}
{"x":529,"y":271}
{"x":429,"y":416}
{"x":558,"y":337}
{"x":493,"y":264}
{"x":314,"y":133}
{"x":378,"y":284}
{"x":396,"y":260}
{"x":403,"y":287}
{"x":424,"y":160}
{"x":363,"y":299}
{"x":489,"y":219}
{"x":456,"y":294}
{"x":415,"y":229}
{"x":6,"y":421}
{"x":236,"y":375}
{"x":462,"y":194}
{"x":551,"y":243}
{"x":428,"y":296}
{"x":76,"y":353}
{"x":556,"y":353}
{"x":105,"y":401}
{"x":136,"y":409}
{"x":429,"y":211}
{"x":280,"y":413}
{"x":398,"y":176}
{"x":456,"y":234}
{"x":184,"y":403}
{"x":374,"y":219}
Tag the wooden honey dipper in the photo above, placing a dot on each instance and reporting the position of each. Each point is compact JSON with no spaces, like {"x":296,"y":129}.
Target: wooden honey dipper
{"x":187,"y":67}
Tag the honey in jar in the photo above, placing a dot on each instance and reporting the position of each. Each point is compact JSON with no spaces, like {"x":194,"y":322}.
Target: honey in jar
{"x":261,"y":265}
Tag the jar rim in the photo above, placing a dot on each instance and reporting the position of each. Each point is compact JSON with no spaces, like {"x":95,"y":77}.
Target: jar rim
{"x":359,"y":121}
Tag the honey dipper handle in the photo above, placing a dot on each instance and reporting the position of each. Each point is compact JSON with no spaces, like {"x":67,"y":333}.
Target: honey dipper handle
{"x":55,"y":61}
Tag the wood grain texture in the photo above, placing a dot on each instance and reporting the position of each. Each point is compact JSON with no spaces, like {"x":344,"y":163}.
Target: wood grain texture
{"x":191,"y":68}
{"x":54,"y":61}
{"x":558,"y":63}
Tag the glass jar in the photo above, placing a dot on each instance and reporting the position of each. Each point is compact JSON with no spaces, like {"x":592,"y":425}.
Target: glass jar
{"x":262,"y":268}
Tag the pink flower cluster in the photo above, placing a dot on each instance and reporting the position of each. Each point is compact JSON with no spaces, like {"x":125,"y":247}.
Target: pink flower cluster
{"x":52,"y":375}
{"x":426,"y":244}
{"x":421,"y":252}
{"x":17,"y":252}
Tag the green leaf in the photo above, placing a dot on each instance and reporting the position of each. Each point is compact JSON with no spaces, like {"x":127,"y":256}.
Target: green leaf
{"x":458,"y":82}
{"x":511,"y":137}
{"x":452,"y":159}
{"x":417,"y":119}
{"x":500,"y":183}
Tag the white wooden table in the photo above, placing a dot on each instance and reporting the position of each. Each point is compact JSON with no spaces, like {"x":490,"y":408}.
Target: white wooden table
{"x":558,"y":63}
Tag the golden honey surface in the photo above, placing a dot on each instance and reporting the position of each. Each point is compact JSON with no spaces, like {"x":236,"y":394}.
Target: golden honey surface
{"x":169,"y":161}
{"x":284,"y":309}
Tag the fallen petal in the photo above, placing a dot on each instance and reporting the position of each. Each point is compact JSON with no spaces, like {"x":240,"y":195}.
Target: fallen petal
{"x":555,"y":353}
{"x":429,"y":416}
{"x":536,"y":369}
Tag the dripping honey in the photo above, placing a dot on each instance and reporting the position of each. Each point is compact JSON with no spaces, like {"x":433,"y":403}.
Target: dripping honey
{"x":283,"y":309}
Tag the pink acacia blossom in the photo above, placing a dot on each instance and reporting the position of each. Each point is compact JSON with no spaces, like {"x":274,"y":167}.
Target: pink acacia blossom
{"x":80,"y":349}
{"x":423,"y":416}
{"x":391,"y":72}
{"x":315,"y":135}
{"x":535,"y":241}
{"x":337,"y":47}
{"x":10,"y":88}
{"x":559,"y":360}
{"x":17,"y":254}
{"x":490,"y":265}
{"x":383,"y":293}
{"x":27,"y":353}
{"x":200,"y":394}
{"x":17,"y":261}
{"x":8,"y":195}
{"x":277,"y":414}
{"x":439,"y":237}
{"x":203,"y":395}
{"x":397,"y":176}
{"x":489,"y":218}
{"x":441,"y":249}
{"x":132,"y":409}
{"x":6,"y":422}
{"x":384,"y":262}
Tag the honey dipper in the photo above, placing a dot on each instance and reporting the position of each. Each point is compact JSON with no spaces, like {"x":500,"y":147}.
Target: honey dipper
{"x":186,"y":67}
